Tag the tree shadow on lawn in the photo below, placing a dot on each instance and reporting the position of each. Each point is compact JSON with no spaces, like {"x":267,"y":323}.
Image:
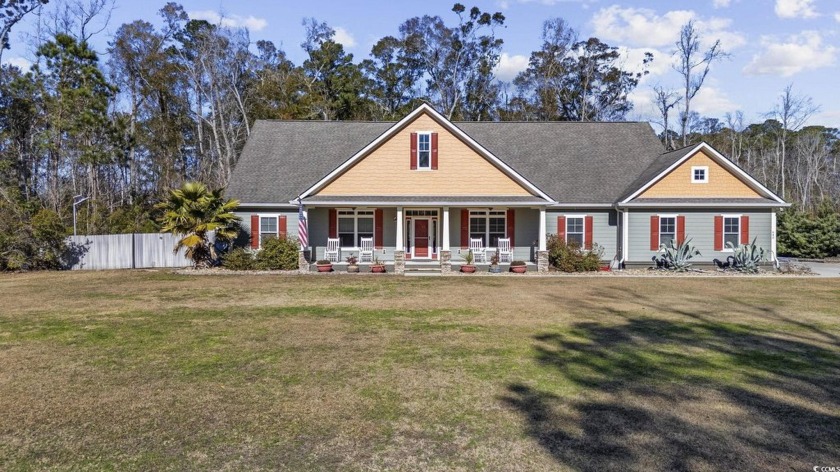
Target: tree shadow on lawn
{"x":689,"y":393}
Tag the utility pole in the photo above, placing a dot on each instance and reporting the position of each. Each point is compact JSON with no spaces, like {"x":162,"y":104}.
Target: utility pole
{"x":77,"y":200}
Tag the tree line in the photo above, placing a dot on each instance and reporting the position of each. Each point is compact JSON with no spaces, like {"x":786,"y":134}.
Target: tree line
{"x":175,"y":102}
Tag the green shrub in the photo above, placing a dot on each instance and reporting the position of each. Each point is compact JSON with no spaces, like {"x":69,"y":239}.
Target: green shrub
{"x":31,"y":237}
{"x":805,"y":235}
{"x":278,"y":254}
{"x":570,"y":257}
{"x":239,"y":259}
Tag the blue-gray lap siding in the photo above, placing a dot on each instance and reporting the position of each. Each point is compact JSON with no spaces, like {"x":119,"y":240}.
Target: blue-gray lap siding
{"x":700,"y":228}
{"x":244,"y":238}
{"x":605,"y":228}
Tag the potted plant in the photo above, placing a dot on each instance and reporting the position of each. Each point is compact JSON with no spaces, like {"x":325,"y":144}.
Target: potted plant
{"x":494,"y":263}
{"x":377,"y":267}
{"x":468,"y":267}
{"x":518,"y":267}
{"x":352,"y":264}
{"x":324,"y":265}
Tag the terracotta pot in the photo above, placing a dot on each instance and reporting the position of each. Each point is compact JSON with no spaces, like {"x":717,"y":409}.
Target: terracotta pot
{"x":468,"y":269}
{"x":324,"y":267}
{"x":518,"y":269}
{"x":377,"y":269}
{"x":605,"y":268}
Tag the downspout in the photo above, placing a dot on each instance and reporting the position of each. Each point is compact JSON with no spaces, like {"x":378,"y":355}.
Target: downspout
{"x":625,"y":236}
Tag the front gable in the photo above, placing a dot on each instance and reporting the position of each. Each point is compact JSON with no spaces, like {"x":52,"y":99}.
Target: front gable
{"x":463,"y":167}
{"x":720,"y":181}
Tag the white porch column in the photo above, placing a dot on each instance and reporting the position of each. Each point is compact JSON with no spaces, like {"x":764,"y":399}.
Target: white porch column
{"x":400,"y":226}
{"x":542,"y":229}
{"x":773,"y":256}
{"x":445,"y":229}
{"x":625,"y":236}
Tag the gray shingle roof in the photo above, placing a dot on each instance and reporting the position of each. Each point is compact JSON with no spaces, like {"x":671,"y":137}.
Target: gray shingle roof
{"x":662,"y":162}
{"x":422,"y":199}
{"x":760,"y":201}
{"x":570,"y":161}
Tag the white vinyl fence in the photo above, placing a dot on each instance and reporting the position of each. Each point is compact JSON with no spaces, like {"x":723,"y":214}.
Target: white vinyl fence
{"x":125,"y":251}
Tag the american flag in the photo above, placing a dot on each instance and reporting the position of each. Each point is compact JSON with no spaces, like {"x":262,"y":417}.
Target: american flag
{"x":303,"y":235}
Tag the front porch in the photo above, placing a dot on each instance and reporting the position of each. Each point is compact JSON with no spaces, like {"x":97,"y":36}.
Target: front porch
{"x":434,"y":236}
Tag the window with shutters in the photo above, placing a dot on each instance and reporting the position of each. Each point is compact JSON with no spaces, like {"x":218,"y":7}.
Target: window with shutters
{"x":667,"y":230}
{"x":731,"y":232}
{"x":489,"y":226}
{"x":353,"y":225}
{"x":575,"y":230}
{"x":424,"y":151}
{"x":268,"y":228}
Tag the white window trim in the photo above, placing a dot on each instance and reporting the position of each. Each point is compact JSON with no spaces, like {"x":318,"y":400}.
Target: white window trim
{"x":429,"y":134}
{"x":675,"y":216}
{"x":260,"y":216}
{"x":486,"y":214}
{"x":723,"y":230}
{"x":355,"y":218}
{"x":583,"y":234}
{"x":705,"y":170}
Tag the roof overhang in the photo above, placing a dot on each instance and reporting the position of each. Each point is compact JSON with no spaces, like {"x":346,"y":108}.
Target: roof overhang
{"x":702,"y":205}
{"x":410,"y":201}
{"x":268,"y":205}
{"x":720,"y":159}
{"x":582,"y":205}
{"x":425,"y":108}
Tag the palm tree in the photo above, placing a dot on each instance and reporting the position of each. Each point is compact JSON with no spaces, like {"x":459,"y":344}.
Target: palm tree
{"x":194,"y":211}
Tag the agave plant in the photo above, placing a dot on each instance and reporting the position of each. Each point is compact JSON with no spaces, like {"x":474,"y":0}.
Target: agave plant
{"x":747,"y":257}
{"x":676,"y":256}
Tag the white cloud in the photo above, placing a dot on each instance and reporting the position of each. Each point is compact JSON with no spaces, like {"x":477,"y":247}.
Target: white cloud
{"x":643,"y":27}
{"x":344,"y":38}
{"x":510,"y":65}
{"x":798,"y":53}
{"x":712,"y":101}
{"x":251,"y":23}
{"x":828,"y":118}
{"x":632,"y":60}
{"x":23,"y":64}
{"x":837,"y":16}
{"x":505,"y":4}
{"x":795,"y":9}
{"x":721,"y":3}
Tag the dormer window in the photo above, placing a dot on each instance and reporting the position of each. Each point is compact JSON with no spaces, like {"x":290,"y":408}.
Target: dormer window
{"x":424,"y":150}
{"x":700,"y":174}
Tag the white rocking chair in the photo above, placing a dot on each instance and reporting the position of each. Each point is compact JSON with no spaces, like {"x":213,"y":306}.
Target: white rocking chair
{"x":504,"y":250}
{"x":332,"y":253}
{"x":477,"y":248}
{"x":366,"y":250}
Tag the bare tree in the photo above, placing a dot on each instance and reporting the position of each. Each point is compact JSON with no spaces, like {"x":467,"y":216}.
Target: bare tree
{"x":791,"y":111}
{"x":735,"y":123}
{"x":665,"y":101}
{"x":694,"y":65}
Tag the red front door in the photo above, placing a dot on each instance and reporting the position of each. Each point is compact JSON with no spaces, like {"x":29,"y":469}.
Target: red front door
{"x":421,"y":238}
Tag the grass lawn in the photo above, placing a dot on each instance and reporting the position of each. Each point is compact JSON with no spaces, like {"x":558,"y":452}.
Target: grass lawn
{"x":151,"y":370}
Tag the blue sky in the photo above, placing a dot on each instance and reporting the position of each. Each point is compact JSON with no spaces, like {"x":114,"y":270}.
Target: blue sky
{"x":772,"y":43}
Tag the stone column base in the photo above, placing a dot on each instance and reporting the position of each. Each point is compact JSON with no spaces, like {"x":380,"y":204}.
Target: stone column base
{"x":399,"y":262}
{"x":542,"y":261}
{"x":303,"y":262}
{"x":445,"y":262}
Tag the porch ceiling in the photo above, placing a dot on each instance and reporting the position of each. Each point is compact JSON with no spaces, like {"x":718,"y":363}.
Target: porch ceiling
{"x":329,"y":200}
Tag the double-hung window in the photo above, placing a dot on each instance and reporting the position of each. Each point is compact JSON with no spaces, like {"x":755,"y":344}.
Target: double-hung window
{"x":268,"y":228}
{"x":424,"y":150}
{"x":667,"y":230}
{"x":353,"y":225}
{"x":575,"y":230}
{"x":489,"y":226}
{"x":731,"y":231}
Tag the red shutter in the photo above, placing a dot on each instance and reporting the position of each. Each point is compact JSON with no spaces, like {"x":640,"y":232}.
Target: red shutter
{"x":745,"y":229}
{"x":255,"y":231}
{"x":511,"y":225}
{"x":465,"y":228}
{"x":680,"y":229}
{"x":281,"y":227}
{"x":333,"y":225}
{"x":434,"y":151}
{"x":654,"y":233}
{"x":413,"y":151}
{"x":561,"y":227}
{"x":377,"y":228}
{"x":718,"y":233}
{"x":587,"y":235}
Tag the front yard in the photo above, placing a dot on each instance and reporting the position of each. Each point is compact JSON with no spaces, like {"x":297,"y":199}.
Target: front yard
{"x":152,"y":370}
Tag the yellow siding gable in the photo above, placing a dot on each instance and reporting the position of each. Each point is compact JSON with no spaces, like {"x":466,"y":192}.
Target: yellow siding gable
{"x":461,"y":171}
{"x":722,"y":183}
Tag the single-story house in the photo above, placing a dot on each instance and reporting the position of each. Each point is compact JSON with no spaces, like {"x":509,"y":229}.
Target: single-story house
{"x":426,"y":188}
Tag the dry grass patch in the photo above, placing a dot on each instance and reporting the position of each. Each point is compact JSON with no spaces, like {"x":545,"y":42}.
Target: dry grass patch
{"x":150,"y":370}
